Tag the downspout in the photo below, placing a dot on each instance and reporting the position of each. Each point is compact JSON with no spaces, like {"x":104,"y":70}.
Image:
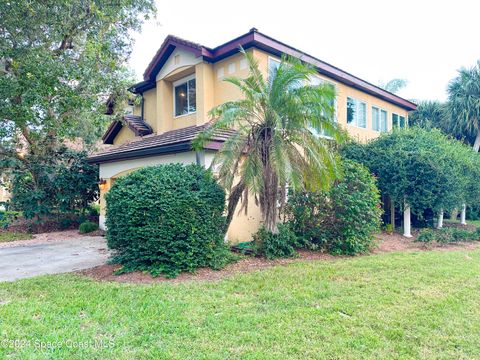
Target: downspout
{"x":142,"y":106}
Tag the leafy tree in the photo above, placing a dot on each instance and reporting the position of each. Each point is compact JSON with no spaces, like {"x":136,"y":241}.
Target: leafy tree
{"x":463,"y":106}
{"x":423,"y":168}
{"x":276,"y":143}
{"x":59,"y":62}
{"x":394,"y":85}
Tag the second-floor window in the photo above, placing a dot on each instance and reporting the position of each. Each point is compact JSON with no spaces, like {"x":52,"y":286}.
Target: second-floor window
{"x":356,"y":112}
{"x":398,"y":121}
{"x":184,"y":95}
{"x":379,"y":119}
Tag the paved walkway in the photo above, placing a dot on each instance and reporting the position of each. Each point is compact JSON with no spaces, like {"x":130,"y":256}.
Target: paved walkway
{"x":25,"y":261}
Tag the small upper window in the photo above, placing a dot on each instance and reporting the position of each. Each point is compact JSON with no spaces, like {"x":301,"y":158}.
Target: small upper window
{"x":398,"y":121}
{"x":356,"y":112}
{"x":185,"y":96}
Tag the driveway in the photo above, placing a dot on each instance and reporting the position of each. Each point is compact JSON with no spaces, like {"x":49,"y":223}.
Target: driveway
{"x":73,"y":254}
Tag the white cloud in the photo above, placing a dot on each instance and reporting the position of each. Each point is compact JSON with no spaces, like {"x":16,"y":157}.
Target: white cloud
{"x":424,"y":42}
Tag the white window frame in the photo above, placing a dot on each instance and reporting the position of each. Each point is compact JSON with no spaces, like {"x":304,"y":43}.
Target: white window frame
{"x":181,"y":82}
{"x":380,"y":119}
{"x":355,"y":120}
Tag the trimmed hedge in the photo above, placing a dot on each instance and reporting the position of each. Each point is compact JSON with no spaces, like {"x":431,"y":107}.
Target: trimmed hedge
{"x":341,"y":220}
{"x":167,"y":219}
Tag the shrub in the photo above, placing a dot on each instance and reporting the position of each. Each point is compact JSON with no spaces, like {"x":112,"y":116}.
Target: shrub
{"x":60,"y":183}
{"x":87,"y":227}
{"x":93,"y":210}
{"x":341,"y":220}
{"x":7,"y":217}
{"x":65,"y":223}
{"x":447,"y":235}
{"x":274,"y":246}
{"x":426,"y":236}
{"x":167,"y":219}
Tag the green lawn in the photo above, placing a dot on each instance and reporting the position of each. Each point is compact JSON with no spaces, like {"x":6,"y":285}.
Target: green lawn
{"x":11,"y":236}
{"x":397,"y":305}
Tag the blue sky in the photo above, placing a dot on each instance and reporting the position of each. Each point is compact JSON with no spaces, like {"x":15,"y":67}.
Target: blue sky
{"x":424,"y":42}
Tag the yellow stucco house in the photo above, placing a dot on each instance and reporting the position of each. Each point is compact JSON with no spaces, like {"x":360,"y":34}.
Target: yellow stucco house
{"x":184,"y":81}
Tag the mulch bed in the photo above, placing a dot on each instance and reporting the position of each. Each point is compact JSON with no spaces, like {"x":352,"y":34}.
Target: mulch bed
{"x":22,"y":225}
{"x":385,"y":243}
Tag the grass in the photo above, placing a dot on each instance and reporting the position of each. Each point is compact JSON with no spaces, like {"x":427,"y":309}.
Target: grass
{"x":396,"y":305}
{"x":13,"y":236}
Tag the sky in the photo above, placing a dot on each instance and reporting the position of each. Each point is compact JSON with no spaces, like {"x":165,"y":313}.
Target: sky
{"x":422,"y":41}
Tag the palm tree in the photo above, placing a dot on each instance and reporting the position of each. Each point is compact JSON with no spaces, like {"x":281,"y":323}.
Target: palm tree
{"x":277,"y":144}
{"x":463,"y":106}
{"x":428,"y":115}
{"x":394,"y":85}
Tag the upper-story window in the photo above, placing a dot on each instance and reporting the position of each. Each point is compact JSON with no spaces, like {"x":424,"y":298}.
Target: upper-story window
{"x":356,"y":112}
{"x":379,"y":119}
{"x":398,"y":121}
{"x":184,"y":96}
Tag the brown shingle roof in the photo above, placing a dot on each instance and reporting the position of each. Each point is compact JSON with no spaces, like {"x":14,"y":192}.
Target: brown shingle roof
{"x":135,"y":123}
{"x":168,"y":142}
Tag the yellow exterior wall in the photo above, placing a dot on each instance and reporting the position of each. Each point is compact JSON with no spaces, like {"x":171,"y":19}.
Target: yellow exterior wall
{"x":124,"y":135}
{"x":150,"y":108}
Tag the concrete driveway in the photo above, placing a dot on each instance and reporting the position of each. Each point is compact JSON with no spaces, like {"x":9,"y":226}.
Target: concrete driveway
{"x":25,"y":261}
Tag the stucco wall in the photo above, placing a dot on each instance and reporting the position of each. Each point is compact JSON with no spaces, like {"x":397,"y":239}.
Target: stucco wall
{"x":124,"y":135}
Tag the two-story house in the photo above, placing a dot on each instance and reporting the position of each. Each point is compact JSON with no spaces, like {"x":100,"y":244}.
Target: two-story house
{"x":184,"y":81}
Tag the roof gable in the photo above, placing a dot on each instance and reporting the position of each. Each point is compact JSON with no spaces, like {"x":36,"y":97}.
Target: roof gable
{"x":134,"y":123}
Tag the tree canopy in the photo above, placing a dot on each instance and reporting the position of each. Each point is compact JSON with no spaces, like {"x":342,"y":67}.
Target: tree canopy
{"x":423,"y":168}
{"x":59,"y":63}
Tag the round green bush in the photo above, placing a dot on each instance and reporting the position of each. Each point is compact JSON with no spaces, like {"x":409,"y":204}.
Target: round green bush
{"x":167,"y":219}
{"x":87,"y":227}
{"x":341,"y":220}
{"x":278,"y":245}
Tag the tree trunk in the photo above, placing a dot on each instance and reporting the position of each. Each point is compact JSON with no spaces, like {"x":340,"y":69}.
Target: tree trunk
{"x":233,"y":199}
{"x":392,"y":214}
{"x":476,"y":144}
{"x":440,"y":219}
{"x":463,"y":215}
{"x":406,"y":222}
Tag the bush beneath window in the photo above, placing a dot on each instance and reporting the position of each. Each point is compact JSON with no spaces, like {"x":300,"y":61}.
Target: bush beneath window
{"x":272,"y":246}
{"x":341,"y":220}
{"x":167,"y":219}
